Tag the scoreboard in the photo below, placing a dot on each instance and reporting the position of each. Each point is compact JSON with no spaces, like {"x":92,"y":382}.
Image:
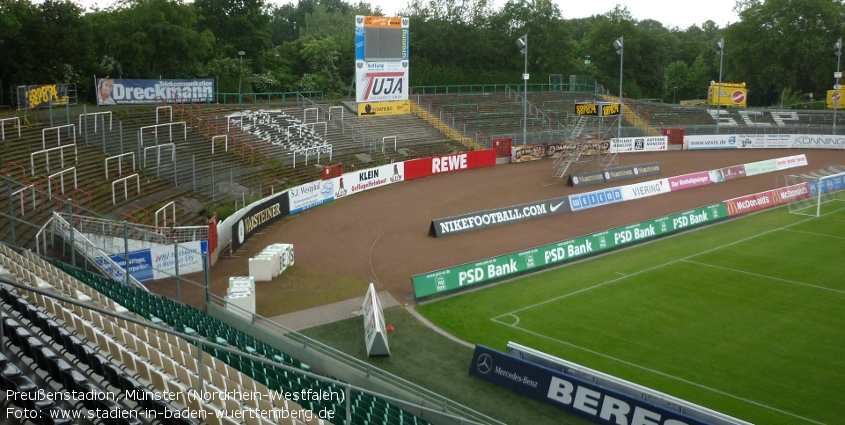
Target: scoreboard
{"x":381,"y":62}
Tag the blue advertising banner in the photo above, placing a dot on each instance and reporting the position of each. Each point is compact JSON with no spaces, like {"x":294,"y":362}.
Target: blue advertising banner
{"x":119,"y":91}
{"x":586,"y":399}
{"x":140,"y":265}
{"x":594,"y":199}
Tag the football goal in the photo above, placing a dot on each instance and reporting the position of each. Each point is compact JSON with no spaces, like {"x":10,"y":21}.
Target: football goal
{"x":823,"y":186}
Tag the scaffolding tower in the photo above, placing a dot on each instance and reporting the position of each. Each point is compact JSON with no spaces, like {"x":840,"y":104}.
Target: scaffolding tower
{"x":588,"y":147}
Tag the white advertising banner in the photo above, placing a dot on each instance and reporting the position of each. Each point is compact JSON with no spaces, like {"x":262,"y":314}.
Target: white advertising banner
{"x":310,"y":195}
{"x":639,"y":144}
{"x":370,"y":178}
{"x":645,"y":189}
{"x":764,"y":141}
{"x":381,"y":81}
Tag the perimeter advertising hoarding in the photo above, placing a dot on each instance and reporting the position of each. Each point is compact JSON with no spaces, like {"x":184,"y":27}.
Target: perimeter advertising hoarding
{"x":147,"y":92}
{"x":309,"y":195}
{"x":639,"y":144}
{"x":359,"y":181}
{"x":614,"y":174}
{"x":572,"y":394}
{"x":157,"y":262}
{"x":769,"y":198}
{"x":258,"y":216}
{"x":687,"y":181}
{"x":523,"y":153}
{"x":764,"y":141}
{"x":509,"y":265}
{"x":496,"y":217}
{"x":424,"y":167}
{"x":596,"y":198}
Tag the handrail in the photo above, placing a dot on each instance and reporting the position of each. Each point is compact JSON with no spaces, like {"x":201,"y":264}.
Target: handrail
{"x":95,"y":115}
{"x":170,"y":107}
{"x":125,"y":187}
{"x":61,"y":175}
{"x":3,"y":126}
{"x":163,"y":210}
{"x":119,"y":163}
{"x":170,"y":128}
{"x":58,"y":133}
{"x":158,"y":153}
{"x":61,"y":150}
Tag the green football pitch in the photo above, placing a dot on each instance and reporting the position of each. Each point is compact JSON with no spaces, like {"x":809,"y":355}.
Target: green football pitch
{"x":746,"y":317}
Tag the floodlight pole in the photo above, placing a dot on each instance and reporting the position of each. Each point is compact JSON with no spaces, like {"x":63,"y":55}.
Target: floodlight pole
{"x":621,"y":108}
{"x":241,"y":53}
{"x":525,"y":94}
{"x":721,"y":46}
{"x":838,"y":52}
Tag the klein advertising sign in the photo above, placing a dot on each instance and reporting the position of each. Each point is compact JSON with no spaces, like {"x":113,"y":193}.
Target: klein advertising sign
{"x":572,"y":394}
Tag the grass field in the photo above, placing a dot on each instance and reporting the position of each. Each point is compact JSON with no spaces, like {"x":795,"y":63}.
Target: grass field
{"x":745,"y":317}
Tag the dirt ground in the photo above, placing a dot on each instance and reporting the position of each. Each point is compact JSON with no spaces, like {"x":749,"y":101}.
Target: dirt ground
{"x":381,"y":235}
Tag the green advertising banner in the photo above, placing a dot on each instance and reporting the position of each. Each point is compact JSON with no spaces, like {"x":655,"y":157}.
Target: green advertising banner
{"x":509,"y":265}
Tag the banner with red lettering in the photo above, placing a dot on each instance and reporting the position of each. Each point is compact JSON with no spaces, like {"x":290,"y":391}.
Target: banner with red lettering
{"x":423,"y":167}
{"x":769,"y":198}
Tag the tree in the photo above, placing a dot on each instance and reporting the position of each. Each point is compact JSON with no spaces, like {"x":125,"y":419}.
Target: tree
{"x":781,"y":44}
{"x":238,"y":25}
{"x":152,"y":39}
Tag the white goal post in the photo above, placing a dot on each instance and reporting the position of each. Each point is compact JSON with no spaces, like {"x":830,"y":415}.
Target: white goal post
{"x":823,"y":186}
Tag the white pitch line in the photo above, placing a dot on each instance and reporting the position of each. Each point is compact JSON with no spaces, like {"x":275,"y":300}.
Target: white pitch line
{"x":794,"y":282}
{"x":664,"y":374}
{"x":814,"y":233}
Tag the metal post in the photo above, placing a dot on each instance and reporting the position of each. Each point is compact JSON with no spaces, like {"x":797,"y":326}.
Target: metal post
{"x":70,"y":226}
{"x":836,"y":90}
{"x":176,"y":266}
{"x":194,"y":170}
{"x":126,"y":251}
{"x":621,"y":60}
{"x":525,"y":95}
{"x":11,"y":209}
{"x":120,"y":131}
{"x":85,"y":121}
{"x":104,"y":134}
{"x":205,"y":267}
{"x":719,"y":94}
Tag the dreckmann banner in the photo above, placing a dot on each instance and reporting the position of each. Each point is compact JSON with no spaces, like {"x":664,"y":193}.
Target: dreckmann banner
{"x":583,"y":398}
{"x":119,"y":91}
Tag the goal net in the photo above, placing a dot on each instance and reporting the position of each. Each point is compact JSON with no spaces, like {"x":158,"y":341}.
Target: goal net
{"x":821,"y":186}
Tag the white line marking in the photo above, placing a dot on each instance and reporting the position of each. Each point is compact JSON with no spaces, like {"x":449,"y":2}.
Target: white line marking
{"x":809,"y":285}
{"x":371,"y":260}
{"x":620,"y":273}
{"x":814,"y":233}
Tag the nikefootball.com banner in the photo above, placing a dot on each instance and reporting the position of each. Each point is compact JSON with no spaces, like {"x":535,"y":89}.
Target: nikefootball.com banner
{"x":496,"y":217}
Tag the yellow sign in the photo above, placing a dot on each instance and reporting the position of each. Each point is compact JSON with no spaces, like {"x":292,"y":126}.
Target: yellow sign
{"x":731,"y":94}
{"x":586,"y":109}
{"x":384,"y":108}
{"x":610,"y":109}
{"x":836,"y":99}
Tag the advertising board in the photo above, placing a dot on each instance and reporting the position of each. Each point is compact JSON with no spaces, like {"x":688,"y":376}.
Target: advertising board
{"x":121,"y":91}
{"x":639,"y":144}
{"x":448,"y":163}
{"x":572,"y":394}
{"x":310,"y":195}
{"x":259,"y":215}
{"x":496,"y":217}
